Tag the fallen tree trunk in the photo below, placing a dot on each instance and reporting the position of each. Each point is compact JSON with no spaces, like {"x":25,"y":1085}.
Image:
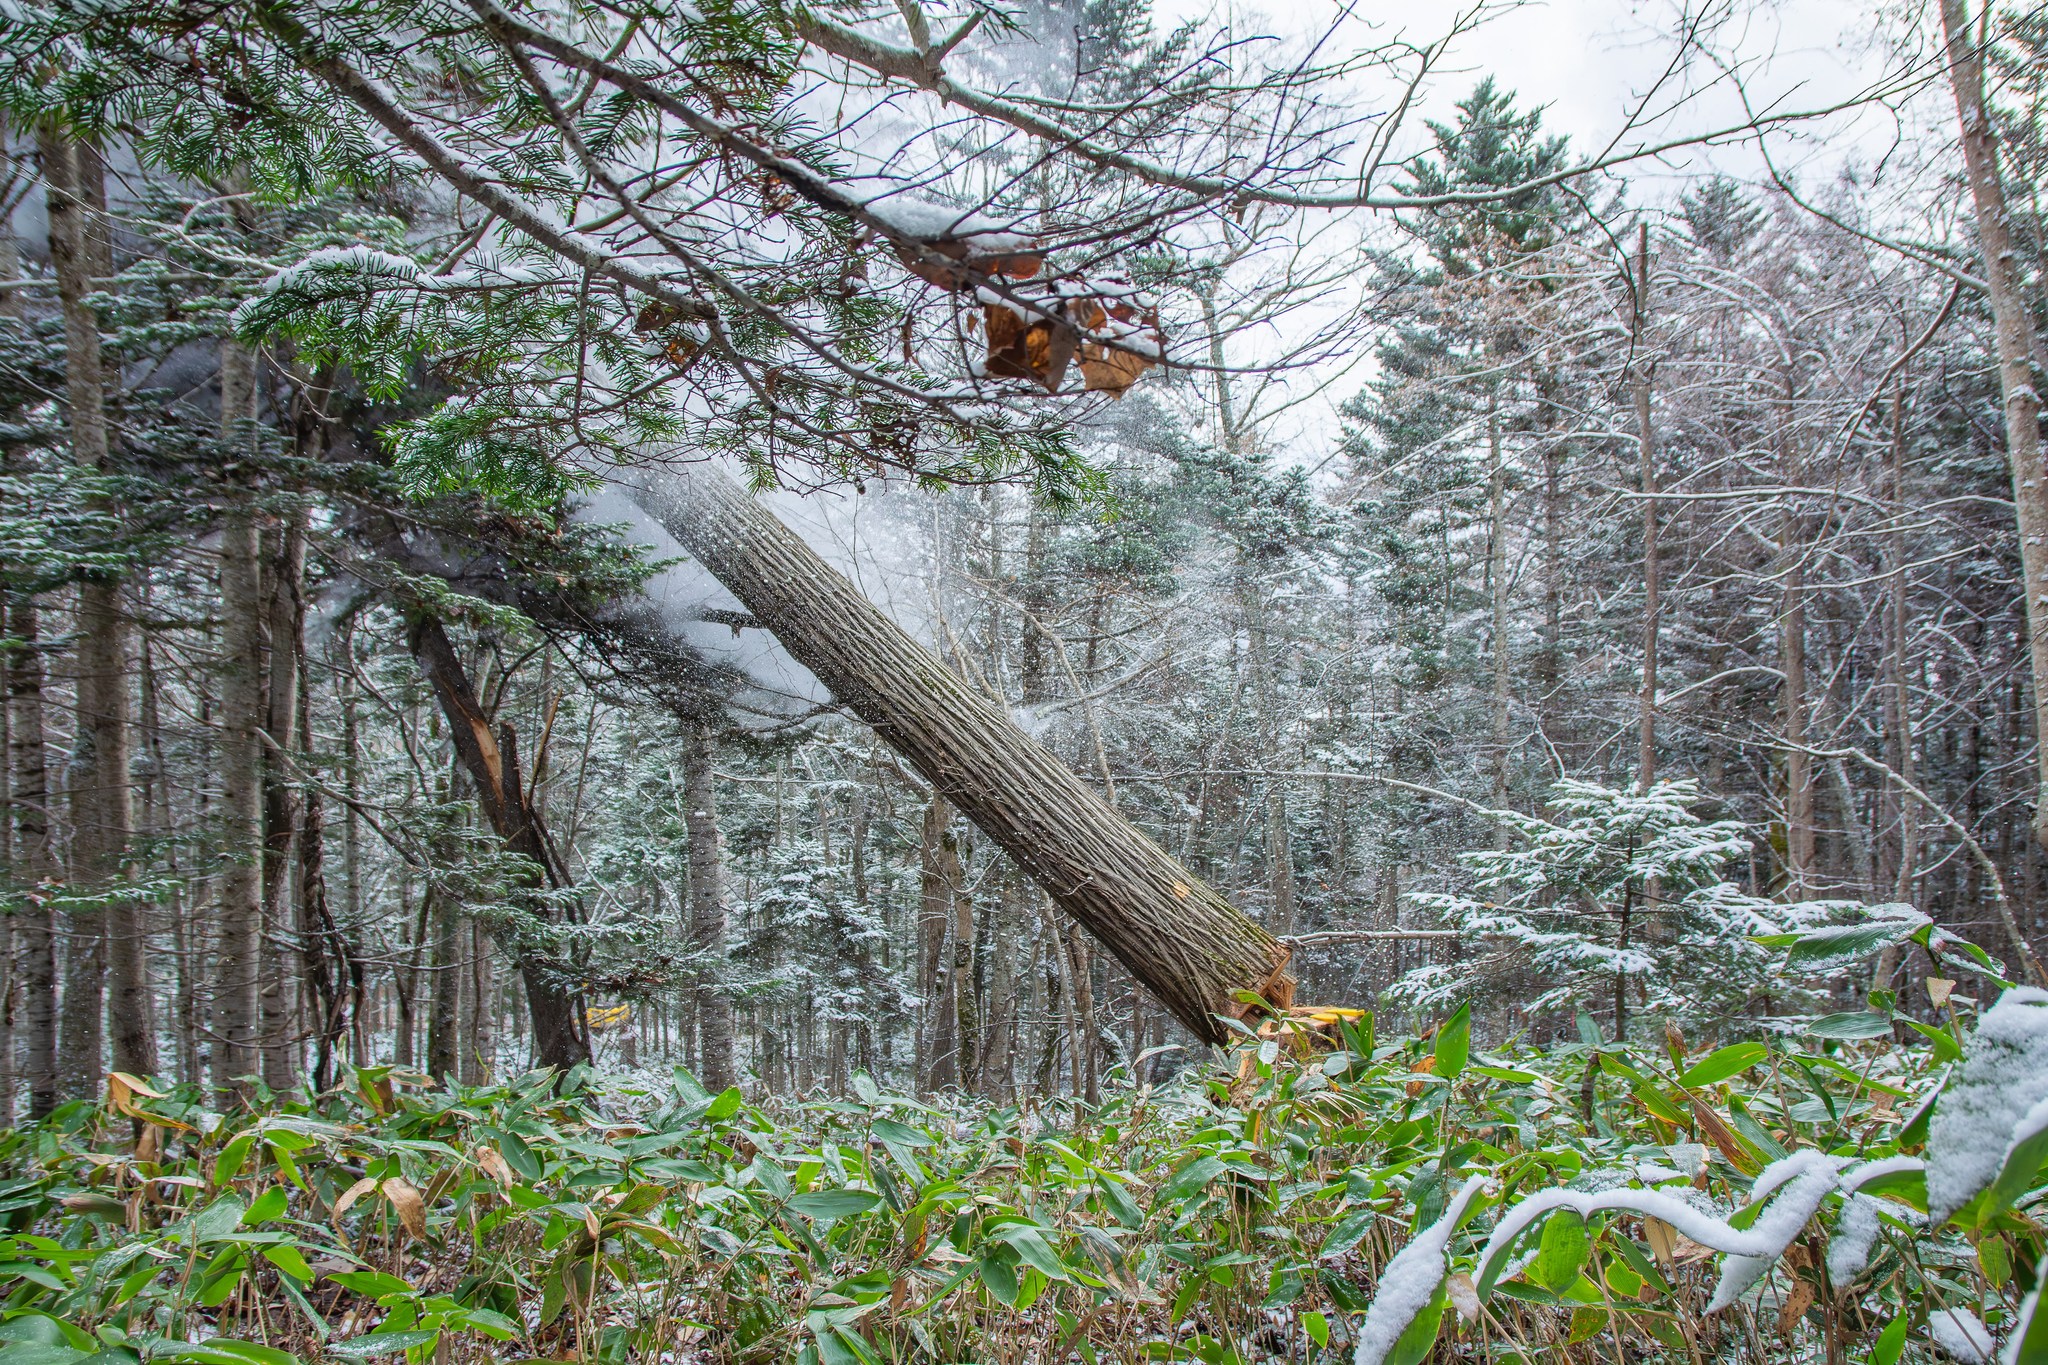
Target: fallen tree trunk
{"x":1191,"y":948}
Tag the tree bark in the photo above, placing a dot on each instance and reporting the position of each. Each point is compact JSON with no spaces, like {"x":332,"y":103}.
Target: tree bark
{"x":716,"y":1064}
{"x":1799,"y":787}
{"x":1279,"y":828}
{"x":476,"y":1065}
{"x":555,"y":1007}
{"x":1192,"y":948}
{"x":35,"y":860}
{"x":1646,"y":441}
{"x":938,"y":882}
{"x":327,"y":962}
{"x":2014,"y":328}
{"x":237,"y":966}
{"x":1497,"y":585}
{"x":108,"y":952}
{"x":279,"y":948}
{"x":443,"y":1002}
{"x":10,"y":984}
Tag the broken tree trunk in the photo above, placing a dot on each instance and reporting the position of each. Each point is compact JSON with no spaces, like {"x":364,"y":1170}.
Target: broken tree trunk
{"x":1191,"y":948}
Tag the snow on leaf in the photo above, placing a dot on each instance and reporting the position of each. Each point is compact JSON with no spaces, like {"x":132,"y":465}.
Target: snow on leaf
{"x":1411,"y":1280}
{"x":1855,"y":1233}
{"x":1961,"y":1334}
{"x":2004,"y":1075}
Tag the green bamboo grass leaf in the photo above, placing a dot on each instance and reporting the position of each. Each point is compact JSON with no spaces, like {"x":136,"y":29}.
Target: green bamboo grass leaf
{"x":827,"y":1205}
{"x":901,"y":1134}
{"x":1191,"y":1179}
{"x":1119,"y":1202}
{"x":1562,"y":1251}
{"x":270,"y":1204}
{"x":2028,"y":1336}
{"x":291,"y":1261}
{"x":1032,"y":1248}
{"x":1851,"y":1026}
{"x":1419,"y":1338}
{"x":1946,"y":1048}
{"x":221,"y":1351}
{"x":1719,"y":1065}
{"x":382,"y":1343}
{"x":1891,"y":1342}
{"x":1454,"y":1043}
{"x":999,"y":1277}
{"x":371,"y":1284}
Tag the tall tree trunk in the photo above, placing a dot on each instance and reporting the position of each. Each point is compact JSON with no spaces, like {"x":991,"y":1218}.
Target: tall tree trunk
{"x":444,"y":968}
{"x":967,"y":1015}
{"x":2016,"y":339}
{"x":717,"y":1066}
{"x":237,"y":960}
{"x":35,"y":863}
{"x":327,"y":963}
{"x":476,"y":1066}
{"x":1898,"y":695}
{"x":1799,"y":786}
{"x":555,"y":1006}
{"x":1087,"y":1031}
{"x":10,"y":984}
{"x":1192,"y":948}
{"x":938,"y":859}
{"x":1497,"y":586}
{"x":108,"y":952}
{"x":279,"y":950}
{"x":20,"y":937}
{"x":1646,"y":441}
{"x":351,"y":844}
{"x":1279,"y":830}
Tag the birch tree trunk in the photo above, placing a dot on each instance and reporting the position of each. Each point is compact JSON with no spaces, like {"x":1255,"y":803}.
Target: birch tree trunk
{"x":2016,"y":339}
{"x":1192,"y":948}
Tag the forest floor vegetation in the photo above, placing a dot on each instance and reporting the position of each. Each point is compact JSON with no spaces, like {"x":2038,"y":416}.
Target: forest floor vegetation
{"x":1825,"y":1191}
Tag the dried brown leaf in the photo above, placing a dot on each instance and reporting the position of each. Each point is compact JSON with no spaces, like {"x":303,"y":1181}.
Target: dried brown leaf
{"x":410,"y":1206}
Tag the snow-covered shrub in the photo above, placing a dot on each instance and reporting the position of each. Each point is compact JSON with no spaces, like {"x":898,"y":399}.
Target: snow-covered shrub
{"x":1615,"y":905}
{"x":1937,"y":1205}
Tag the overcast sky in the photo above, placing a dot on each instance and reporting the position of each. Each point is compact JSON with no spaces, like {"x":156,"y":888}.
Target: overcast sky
{"x":1587,"y":63}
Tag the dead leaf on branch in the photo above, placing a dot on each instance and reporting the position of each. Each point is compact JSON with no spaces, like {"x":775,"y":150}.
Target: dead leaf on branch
{"x":410,"y":1206}
{"x":1104,"y":370}
{"x":495,"y":1166}
{"x":1663,"y":1240}
{"x":959,"y":266}
{"x":1798,"y":1299}
{"x":122,"y":1089}
{"x":1040,"y":349}
{"x":349,"y":1196}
